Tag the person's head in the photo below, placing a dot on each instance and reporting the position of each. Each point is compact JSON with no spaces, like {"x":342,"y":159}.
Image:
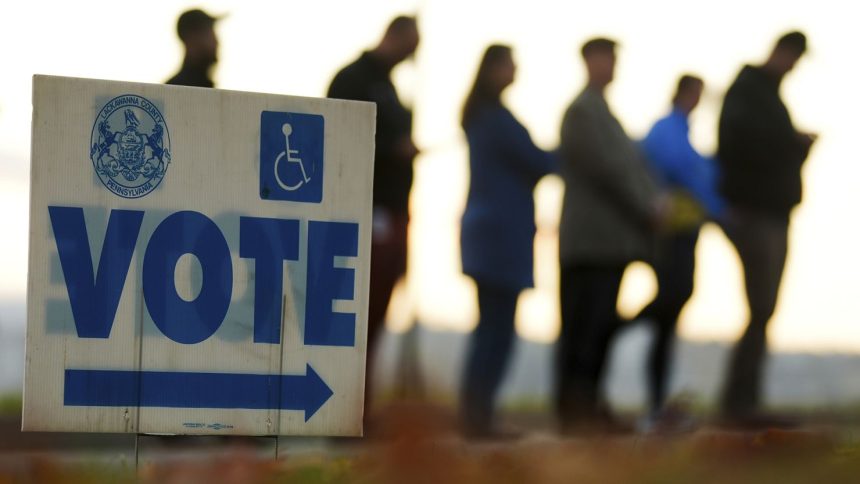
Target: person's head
{"x":785,"y":54}
{"x":196,"y":30}
{"x":599,"y":57}
{"x":495,"y":73}
{"x":688,"y":93}
{"x":496,"y":70}
{"x":399,"y":41}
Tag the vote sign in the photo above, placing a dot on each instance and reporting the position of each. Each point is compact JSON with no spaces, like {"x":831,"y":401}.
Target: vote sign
{"x":199,"y":260}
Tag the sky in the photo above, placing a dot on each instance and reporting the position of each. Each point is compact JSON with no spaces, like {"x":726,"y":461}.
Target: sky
{"x":292,"y":47}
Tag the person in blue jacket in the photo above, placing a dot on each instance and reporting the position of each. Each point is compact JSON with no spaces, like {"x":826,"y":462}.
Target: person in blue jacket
{"x":498,"y":231}
{"x":691,"y":180}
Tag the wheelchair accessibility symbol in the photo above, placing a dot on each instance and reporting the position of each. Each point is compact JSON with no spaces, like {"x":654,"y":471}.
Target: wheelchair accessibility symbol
{"x":291,"y":156}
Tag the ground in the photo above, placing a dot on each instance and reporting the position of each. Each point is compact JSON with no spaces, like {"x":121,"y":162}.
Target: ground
{"x":417,"y":443}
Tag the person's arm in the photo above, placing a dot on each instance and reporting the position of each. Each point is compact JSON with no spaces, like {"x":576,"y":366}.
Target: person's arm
{"x":669,"y":149}
{"x":393,"y":124}
{"x":528,"y":158}
{"x":700,"y":179}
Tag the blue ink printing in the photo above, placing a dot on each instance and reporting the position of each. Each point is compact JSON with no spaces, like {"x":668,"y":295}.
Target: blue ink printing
{"x":130,"y":146}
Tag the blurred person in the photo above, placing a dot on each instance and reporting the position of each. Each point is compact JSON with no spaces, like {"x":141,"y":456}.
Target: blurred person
{"x":369,"y":79}
{"x":761,"y":154}
{"x":609,"y":209}
{"x":692,"y":181}
{"x":497,"y":236}
{"x":196,"y":30}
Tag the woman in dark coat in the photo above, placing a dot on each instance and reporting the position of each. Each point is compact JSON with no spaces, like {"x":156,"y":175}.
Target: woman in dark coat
{"x":498,"y":231}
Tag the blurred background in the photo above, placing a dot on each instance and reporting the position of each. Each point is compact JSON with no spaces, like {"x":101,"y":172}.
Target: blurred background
{"x":295,"y":48}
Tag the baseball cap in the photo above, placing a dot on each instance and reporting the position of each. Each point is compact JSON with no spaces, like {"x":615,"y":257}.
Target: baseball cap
{"x":194,"y":20}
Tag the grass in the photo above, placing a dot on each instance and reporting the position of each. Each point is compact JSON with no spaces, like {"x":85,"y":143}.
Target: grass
{"x":10,"y":404}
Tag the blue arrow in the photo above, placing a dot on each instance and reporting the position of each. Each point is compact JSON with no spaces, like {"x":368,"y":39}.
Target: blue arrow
{"x":128,"y":388}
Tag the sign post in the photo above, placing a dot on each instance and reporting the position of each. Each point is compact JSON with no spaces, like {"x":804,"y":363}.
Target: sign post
{"x":199,"y":261}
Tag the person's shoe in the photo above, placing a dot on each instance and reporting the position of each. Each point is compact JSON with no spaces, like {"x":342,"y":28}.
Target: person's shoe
{"x":674,"y":418}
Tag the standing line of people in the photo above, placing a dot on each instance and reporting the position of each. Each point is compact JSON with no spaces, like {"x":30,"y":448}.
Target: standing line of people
{"x":624,"y":201}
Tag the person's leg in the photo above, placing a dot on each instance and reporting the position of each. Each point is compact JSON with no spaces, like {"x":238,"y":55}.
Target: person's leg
{"x":607,"y":322}
{"x":573,"y":304}
{"x":675,"y":270}
{"x":589,"y":318}
{"x":387,"y":265}
{"x":762,"y":244}
{"x":486,"y":361}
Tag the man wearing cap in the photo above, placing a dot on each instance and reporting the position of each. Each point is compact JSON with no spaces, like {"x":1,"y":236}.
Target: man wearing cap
{"x":761,"y":154}
{"x":196,"y":31}
{"x":610,"y":207}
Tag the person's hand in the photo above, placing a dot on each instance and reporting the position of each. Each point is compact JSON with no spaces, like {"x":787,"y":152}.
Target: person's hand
{"x":808,"y":138}
{"x":661,"y":212}
{"x":406,"y":149}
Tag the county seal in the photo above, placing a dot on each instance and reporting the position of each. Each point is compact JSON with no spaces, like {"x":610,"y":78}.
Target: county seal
{"x":130,"y":146}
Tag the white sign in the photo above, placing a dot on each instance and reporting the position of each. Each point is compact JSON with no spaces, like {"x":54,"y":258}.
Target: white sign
{"x":199,"y":261}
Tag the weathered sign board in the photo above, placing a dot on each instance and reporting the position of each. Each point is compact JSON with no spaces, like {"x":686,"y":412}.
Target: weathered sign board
{"x":199,"y":260}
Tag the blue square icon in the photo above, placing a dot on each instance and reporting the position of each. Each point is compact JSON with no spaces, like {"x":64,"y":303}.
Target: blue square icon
{"x":291,"y":156}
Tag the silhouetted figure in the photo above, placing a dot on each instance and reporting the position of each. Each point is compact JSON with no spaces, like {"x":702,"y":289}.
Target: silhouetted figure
{"x":609,"y":208}
{"x":761,"y":155}
{"x":692,"y":181}
{"x":497,"y":234}
{"x":369,"y":79}
{"x":196,"y":30}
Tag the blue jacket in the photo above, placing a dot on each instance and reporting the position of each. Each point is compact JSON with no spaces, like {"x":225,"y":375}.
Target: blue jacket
{"x":678,"y":165}
{"x":498,"y":227}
